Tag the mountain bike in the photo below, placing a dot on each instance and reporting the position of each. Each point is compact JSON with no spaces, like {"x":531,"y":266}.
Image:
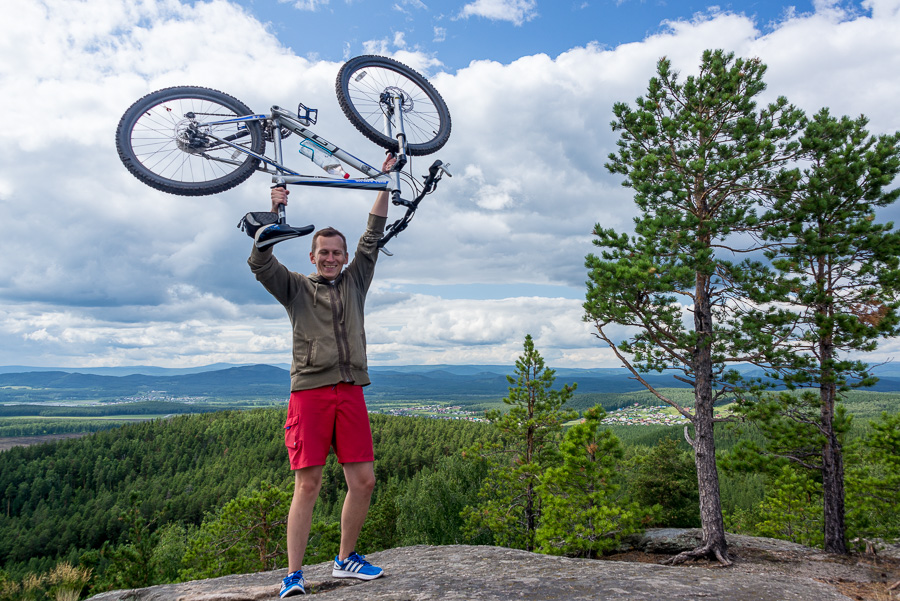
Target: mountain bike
{"x":196,"y":141}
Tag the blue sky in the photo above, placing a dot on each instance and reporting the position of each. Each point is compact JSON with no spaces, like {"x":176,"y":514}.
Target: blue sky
{"x":100,"y":270}
{"x":457,"y":33}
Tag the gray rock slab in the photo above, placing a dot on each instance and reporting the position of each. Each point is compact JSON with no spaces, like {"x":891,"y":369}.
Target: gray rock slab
{"x":462,"y":572}
{"x":669,"y":541}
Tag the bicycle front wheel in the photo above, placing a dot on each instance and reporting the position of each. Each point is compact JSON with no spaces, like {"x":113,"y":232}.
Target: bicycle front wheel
{"x":165,"y":140}
{"x":365,"y":87}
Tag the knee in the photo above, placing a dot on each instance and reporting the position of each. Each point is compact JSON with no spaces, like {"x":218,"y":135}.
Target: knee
{"x":362,"y":484}
{"x":308,"y":487}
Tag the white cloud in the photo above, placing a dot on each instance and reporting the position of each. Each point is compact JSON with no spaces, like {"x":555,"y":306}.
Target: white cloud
{"x":440,"y":34}
{"x":413,"y":4}
{"x":307,"y":5}
{"x":515,"y":11}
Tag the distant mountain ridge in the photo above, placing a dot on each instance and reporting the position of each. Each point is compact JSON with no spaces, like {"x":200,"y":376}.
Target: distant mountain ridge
{"x":246,"y":381}
{"x":425,"y":382}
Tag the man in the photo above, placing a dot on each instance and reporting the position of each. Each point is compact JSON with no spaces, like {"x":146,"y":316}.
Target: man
{"x":328,"y":371}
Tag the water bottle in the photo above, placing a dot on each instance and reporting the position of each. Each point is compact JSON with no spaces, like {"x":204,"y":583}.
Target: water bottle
{"x":324,"y":159}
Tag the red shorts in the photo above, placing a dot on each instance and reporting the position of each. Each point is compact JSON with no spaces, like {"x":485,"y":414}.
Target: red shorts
{"x":330,"y":416}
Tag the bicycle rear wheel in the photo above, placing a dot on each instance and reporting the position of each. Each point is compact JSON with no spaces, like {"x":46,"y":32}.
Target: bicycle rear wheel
{"x":364,"y":87}
{"x":164,"y":140}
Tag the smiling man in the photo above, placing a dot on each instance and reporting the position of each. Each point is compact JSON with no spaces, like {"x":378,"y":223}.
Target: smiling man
{"x":329,"y":368}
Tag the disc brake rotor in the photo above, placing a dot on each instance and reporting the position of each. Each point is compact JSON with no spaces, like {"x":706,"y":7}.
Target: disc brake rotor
{"x":387,"y":98}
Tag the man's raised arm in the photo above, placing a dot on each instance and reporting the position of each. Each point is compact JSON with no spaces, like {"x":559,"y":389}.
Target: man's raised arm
{"x":380,"y":208}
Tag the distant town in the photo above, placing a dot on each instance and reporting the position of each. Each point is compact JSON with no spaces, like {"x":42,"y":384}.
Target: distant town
{"x":434,"y":412}
{"x":636,"y":415}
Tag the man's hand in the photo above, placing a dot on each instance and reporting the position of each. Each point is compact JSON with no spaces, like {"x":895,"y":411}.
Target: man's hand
{"x":279,"y":197}
{"x":380,"y":207}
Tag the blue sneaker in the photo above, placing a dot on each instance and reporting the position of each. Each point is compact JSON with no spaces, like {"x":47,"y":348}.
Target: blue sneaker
{"x":293,"y":584}
{"x":355,"y":566}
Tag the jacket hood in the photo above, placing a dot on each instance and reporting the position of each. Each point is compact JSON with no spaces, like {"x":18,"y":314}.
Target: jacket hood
{"x":318,"y":279}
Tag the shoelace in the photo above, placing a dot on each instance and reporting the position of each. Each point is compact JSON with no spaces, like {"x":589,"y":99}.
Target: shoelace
{"x":361,"y":559}
{"x":294,"y":577}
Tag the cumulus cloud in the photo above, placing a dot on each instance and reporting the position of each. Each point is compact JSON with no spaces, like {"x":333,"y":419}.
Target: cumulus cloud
{"x":98,"y":269}
{"x":307,"y":5}
{"x":516,"y":12}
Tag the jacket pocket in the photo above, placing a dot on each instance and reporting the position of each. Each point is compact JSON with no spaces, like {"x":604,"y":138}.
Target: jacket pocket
{"x":306,"y":352}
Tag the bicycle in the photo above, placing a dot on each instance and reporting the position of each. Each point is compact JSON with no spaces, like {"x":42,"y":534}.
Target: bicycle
{"x":196,"y":141}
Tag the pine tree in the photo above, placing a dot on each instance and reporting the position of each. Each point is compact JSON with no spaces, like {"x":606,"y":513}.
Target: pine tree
{"x":583,"y":514}
{"x":509,"y":506}
{"x":792,"y":508}
{"x":244,"y":535}
{"x":699,"y":157}
{"x":666,"y":476}
{"x":873,"y":480}
{"x":840,"y":277}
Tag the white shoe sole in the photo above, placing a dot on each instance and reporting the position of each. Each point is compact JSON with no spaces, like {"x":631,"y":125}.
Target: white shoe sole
{"x":346,"y":574}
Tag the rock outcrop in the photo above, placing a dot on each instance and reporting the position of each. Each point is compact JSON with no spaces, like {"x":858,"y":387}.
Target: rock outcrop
{"x":460,"y":572}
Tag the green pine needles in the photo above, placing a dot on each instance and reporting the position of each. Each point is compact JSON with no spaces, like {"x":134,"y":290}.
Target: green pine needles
{"x":583,"y":513}
{"x":715,"y":178}
{"x":544,"y":491}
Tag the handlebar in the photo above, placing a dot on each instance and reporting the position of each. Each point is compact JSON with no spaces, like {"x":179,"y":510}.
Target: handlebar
{"x":437,"y":170}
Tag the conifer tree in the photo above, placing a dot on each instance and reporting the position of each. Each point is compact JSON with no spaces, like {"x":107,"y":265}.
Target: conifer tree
{"x":583,"y":514}
{"x":666,"y":476}
{"x":699,"y":157}
{"x":873,"y":480}
{"x":509,"y":506}
{"x":840,"y":275}
{"x":792,"y":508}
{"x":244,"y":535}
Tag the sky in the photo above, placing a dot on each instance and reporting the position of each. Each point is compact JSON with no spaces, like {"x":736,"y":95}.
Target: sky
{"x":98,"y":269}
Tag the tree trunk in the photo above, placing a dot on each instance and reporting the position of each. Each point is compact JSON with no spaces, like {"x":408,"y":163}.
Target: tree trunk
{"x":704,"y":443}
{"x":708,"y":482}
{"x":530,"y":521}
{"x":832,"y":476}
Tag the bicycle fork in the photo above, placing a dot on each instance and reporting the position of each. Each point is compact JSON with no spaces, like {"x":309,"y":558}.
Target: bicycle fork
{"x":396,"y":108}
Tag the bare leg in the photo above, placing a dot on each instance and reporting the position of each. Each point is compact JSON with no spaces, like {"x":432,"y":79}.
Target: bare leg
{"x":360,"y":483}
{"x":307,"y":483}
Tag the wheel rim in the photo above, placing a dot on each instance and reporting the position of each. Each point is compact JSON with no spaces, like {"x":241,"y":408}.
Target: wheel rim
{"x":369,"y":89}
{"x":169,"y":140}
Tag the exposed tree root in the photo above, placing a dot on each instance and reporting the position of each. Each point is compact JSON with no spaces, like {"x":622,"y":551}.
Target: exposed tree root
{"x":708,"y":550}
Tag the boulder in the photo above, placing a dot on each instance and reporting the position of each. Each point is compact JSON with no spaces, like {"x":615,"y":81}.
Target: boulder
{"x":463,"y":572}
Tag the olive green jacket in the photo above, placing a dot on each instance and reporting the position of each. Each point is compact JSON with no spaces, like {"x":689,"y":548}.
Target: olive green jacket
{"x":327,"y":317}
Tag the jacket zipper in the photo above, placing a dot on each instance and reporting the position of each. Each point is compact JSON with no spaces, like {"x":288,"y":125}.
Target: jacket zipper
{"x":340,"y":334}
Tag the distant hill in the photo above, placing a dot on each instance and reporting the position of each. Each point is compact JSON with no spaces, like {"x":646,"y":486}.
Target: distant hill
{"x":235,"y":382}
{"x":439,"y":383}
{"x":147,"y":370}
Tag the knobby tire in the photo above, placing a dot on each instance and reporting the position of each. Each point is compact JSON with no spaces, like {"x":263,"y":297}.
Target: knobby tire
{"x":162,"y":145}
{"x":362,"y":81}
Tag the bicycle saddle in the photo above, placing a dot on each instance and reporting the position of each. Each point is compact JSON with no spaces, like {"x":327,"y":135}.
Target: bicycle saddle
{"x":264,"y":228}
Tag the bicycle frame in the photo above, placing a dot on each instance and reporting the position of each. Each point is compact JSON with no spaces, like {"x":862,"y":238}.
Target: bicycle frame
{"x":282,"y":119}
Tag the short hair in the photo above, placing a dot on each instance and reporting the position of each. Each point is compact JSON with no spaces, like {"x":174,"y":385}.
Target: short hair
{"x":328,"y":232}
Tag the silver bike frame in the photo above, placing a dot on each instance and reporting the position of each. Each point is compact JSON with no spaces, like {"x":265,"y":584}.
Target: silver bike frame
{"x":282,"y":174}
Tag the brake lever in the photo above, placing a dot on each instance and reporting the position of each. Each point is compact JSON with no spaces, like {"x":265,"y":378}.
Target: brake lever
{"x":437,"y":170}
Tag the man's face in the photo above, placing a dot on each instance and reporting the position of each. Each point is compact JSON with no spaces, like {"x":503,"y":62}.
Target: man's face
{"x":330,"y":256}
